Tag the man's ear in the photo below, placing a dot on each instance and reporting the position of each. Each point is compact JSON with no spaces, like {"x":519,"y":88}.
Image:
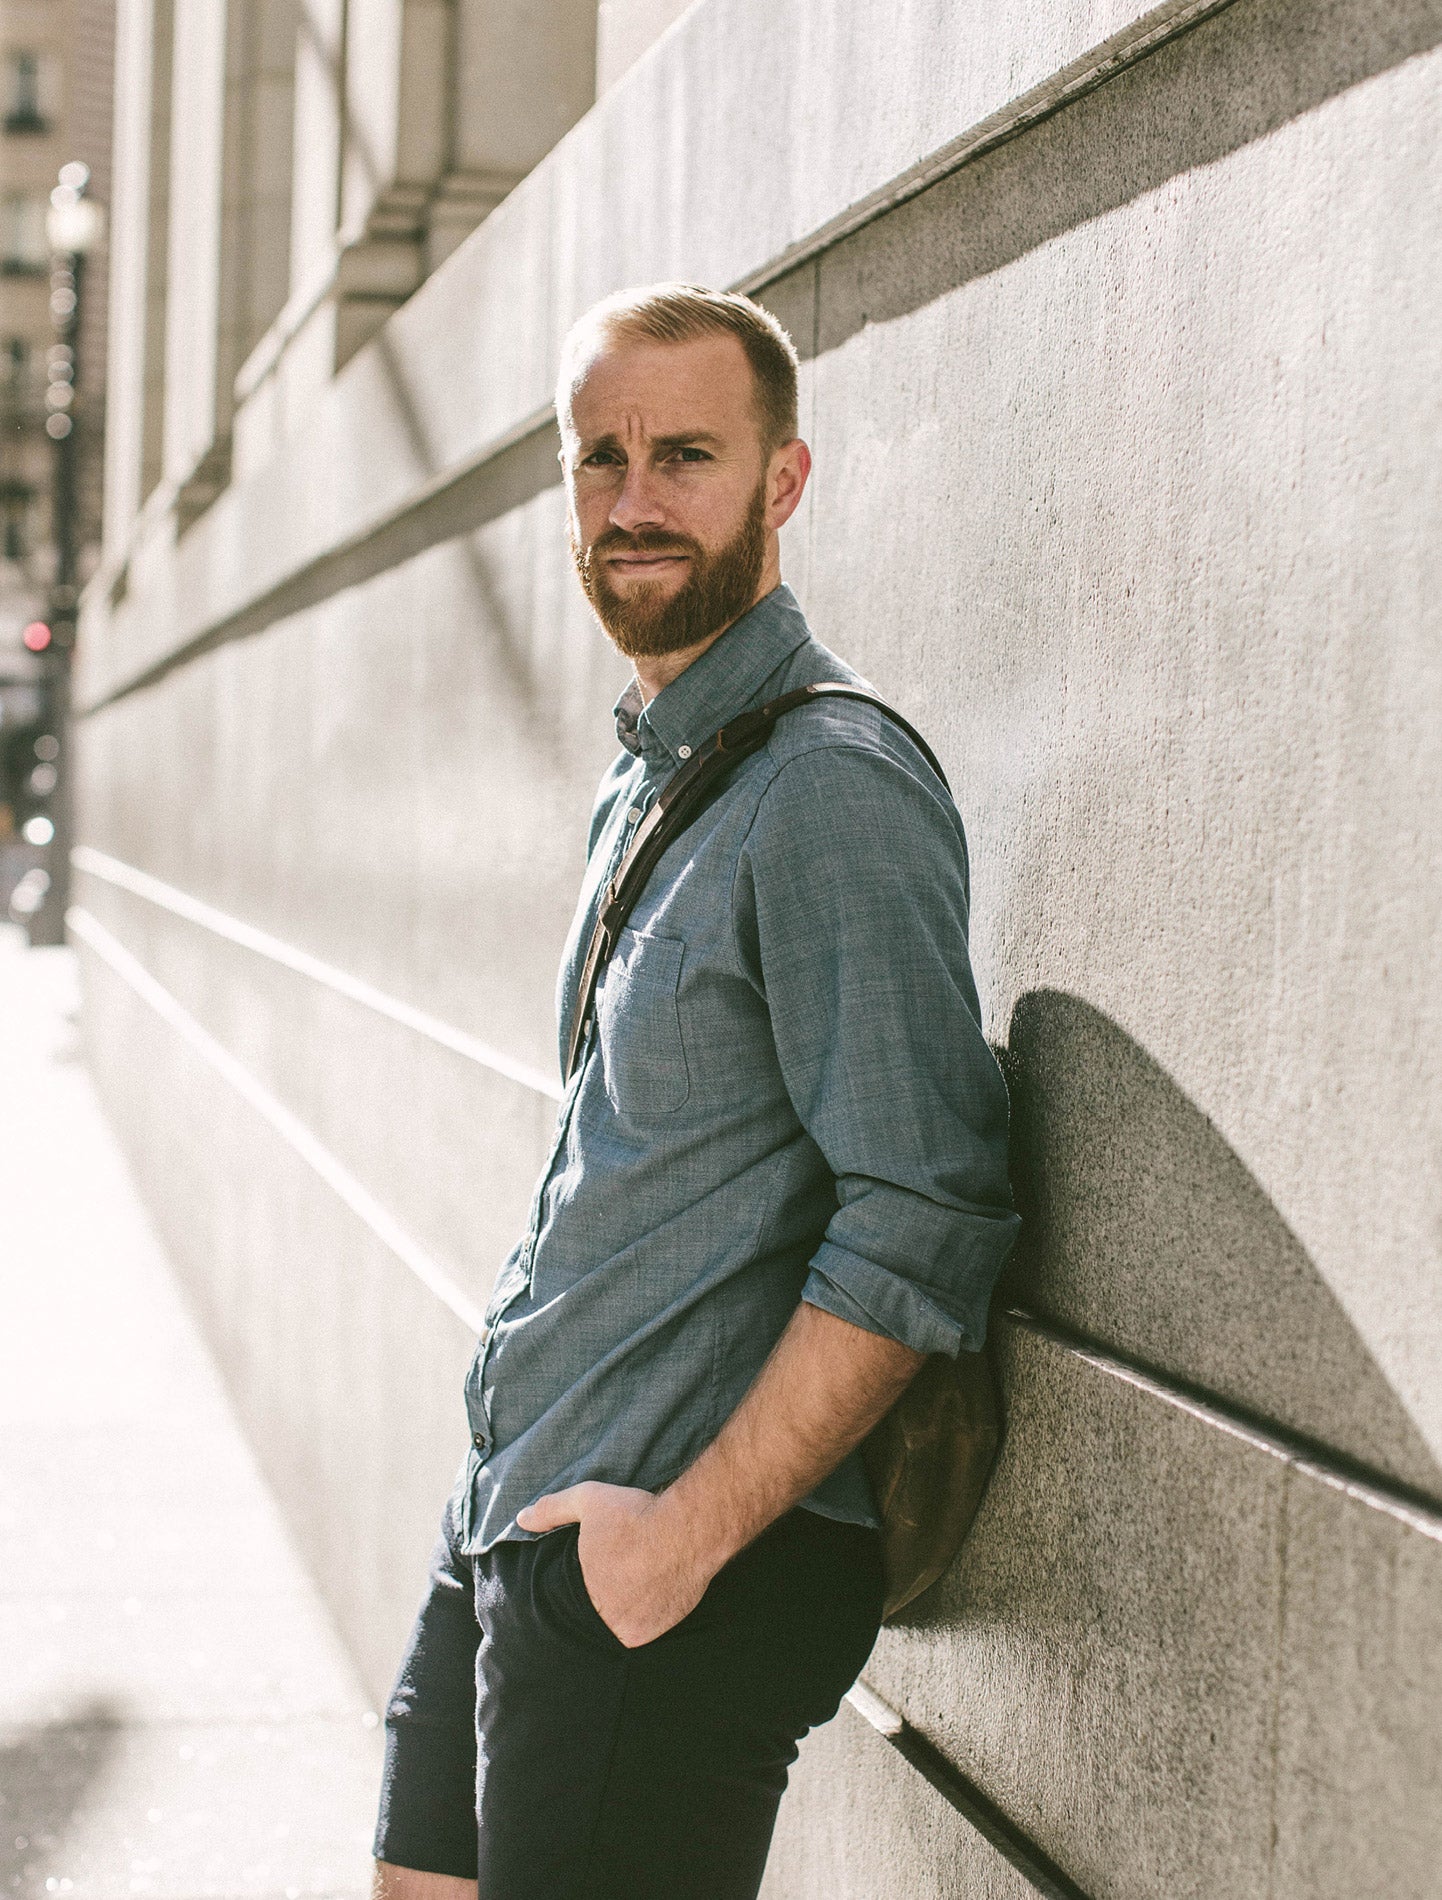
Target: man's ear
{"x":786,"y":478}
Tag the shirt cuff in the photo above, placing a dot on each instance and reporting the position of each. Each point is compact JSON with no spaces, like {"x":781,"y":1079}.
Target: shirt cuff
{"x":879,"y":1301}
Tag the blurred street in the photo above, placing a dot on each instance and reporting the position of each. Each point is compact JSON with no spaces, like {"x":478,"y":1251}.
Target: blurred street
{"x":177,"y":1717}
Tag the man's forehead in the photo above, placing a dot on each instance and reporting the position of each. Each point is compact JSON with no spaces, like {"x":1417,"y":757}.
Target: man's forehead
{"x":662,"y":388}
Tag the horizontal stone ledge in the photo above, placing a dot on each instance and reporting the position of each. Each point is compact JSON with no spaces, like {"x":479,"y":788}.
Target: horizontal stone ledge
{"x":501,"y":476}
{"x":995,"y":1828}
{"x":350,"y":1192}
{"x":1362,"y":1483}
{"x":153,"y":890}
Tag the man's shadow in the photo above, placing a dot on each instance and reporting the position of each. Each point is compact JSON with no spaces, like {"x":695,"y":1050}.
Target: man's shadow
{"x":49,"y":1774}
{"x":1145,"y":1232}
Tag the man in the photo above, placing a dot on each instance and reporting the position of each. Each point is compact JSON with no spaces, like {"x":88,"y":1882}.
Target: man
{"x":777,"y":1182}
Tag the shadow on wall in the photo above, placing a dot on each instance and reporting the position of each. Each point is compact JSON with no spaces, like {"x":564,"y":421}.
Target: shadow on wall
{"x":1220,"y":87}
{"x":499,"y":485}
{"x":1144,"y":1231}
{"x":48,"y":1776}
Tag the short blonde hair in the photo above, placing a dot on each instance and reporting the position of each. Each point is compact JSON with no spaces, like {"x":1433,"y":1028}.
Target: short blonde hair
{"x":678,"y":313}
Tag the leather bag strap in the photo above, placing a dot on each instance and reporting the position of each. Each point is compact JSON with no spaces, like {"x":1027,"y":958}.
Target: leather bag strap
{"x":683,"y":798}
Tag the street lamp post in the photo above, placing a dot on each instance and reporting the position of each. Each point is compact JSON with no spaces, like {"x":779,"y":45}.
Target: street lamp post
{"x":73,"y":225}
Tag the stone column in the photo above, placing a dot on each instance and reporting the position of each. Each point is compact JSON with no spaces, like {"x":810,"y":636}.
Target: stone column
{"x":449,"y":103}
{"x":395,"y":135}
{"x":129,"y":240}
{"x":315,"y":179}
{"x":521,"y":79}
{"x":191,"y":454}
{"x":230,"y":190}
{"x":260,"y":102}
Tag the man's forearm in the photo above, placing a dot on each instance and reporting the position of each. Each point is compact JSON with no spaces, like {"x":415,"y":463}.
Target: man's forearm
{"x":824,"y":1386}
{"x":647,"y":1557}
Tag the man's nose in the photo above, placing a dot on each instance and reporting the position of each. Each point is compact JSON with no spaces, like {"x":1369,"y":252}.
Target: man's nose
{"x":639,"y":503}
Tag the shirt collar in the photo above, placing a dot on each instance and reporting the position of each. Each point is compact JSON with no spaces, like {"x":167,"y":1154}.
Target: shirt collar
{"x":715,"y":687}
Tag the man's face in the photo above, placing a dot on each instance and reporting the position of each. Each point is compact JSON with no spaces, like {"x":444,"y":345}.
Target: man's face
{"x":670,"y":512}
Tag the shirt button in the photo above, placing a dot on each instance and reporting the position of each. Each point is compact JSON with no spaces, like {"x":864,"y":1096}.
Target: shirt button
{"x":632,"y":815}
{"x":683,"y":752}
{"x":478,"y":1439}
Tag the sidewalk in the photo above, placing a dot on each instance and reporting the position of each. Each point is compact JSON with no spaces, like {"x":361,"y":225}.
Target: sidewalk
{"x":177,"y":1718}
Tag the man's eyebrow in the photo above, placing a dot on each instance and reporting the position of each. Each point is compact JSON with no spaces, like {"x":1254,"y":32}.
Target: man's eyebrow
{"x":686,"y":439}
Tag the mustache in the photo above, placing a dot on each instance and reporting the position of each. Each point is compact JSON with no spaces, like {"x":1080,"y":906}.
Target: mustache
{"x":642,"y":541}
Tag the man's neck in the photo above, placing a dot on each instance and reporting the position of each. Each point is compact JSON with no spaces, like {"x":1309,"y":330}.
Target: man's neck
{"x":655,"y":672}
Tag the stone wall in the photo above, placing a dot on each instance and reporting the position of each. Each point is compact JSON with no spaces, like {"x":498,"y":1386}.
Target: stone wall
{"x":1120,"y":330}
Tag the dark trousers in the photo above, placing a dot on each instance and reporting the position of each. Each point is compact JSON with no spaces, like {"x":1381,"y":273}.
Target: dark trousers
{"x":527,"y":1747}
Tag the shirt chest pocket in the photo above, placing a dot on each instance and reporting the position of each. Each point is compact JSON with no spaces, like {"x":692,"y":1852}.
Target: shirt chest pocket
{"x":639,"y":1023}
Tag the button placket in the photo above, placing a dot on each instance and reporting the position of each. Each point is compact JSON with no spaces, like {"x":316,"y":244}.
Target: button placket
{"x":481,"y":1439}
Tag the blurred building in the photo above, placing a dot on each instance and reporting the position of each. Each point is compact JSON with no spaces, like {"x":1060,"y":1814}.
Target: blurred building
{"x":56,"y":97}
{"x":1120,"y":328}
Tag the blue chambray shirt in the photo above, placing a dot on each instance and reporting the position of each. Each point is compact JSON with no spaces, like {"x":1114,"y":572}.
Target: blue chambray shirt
{"x":786,"y":1096}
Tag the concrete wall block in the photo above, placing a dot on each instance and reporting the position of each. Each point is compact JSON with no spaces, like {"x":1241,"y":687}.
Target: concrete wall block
{"x":625,"y":29}
{"x":1359,"y":1766}
{"x":346,"y":1372}
{"x":1102,"y":1660}
{"x":1180,"y":1666}
{"x":449,"y":1148}
{"x":858,"y":1822}
{"x":496,"y":312}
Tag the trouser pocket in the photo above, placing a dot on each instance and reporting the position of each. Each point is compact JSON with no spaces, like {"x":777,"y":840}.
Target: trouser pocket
{"x":564,"y":1586}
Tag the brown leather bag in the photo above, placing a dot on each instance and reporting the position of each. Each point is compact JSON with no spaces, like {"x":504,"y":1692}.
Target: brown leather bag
{"x":929,"y":1461}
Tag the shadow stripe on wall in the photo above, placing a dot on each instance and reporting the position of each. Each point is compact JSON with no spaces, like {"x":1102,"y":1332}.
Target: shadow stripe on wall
{"x":520,"y":464}
{"x":1363,"y":1483}
{"x":503,"y":475}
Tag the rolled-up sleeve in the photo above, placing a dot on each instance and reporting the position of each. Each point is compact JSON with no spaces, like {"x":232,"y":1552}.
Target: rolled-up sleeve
{"x":852,"y":907}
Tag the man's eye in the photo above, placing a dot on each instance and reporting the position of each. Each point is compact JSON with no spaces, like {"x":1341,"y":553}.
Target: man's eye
{"x":689,"y":454}
{"x":599,"y":458}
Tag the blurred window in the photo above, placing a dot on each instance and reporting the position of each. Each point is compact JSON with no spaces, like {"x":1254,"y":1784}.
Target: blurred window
{"x":16,"y":363}
{"x":24,"y":249}
{"x":25,"y":89}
